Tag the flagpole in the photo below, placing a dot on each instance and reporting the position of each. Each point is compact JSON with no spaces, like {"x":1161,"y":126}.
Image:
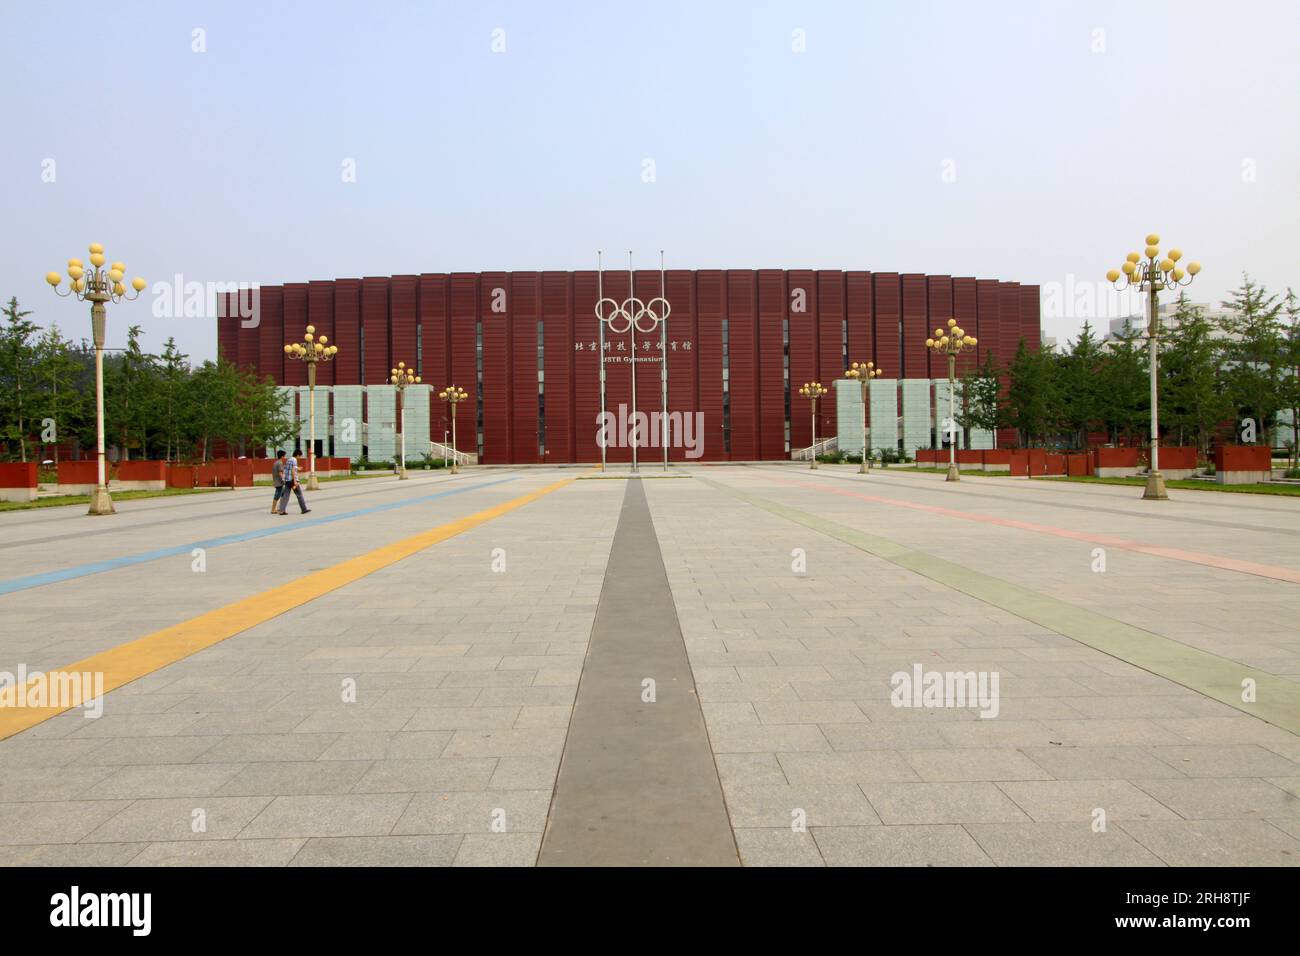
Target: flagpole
{"x":600,"y":357}
{"x":663,"y":366}
{"x":631,"y":331}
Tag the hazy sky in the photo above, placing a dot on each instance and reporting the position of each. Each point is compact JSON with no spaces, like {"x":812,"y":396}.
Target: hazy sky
{"x":1033,"y":141}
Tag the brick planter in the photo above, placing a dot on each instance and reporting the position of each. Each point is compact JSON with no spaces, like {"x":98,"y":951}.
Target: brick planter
{"x":18,"y":481}
{"x":971,"y":458}
{"x":1243,"y":464}
{"x":996,"y":459}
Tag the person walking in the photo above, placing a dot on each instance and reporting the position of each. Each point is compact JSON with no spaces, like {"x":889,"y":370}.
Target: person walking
{"x":291,"y":482}
{"x":277,"y":478}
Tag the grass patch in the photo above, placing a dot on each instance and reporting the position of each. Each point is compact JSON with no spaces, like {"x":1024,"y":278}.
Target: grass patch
{"x":59,"y":501}
{"x":1259,"y":488}
{"x":977,"y":472}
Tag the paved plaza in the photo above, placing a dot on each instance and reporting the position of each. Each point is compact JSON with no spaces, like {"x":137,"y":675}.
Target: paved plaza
{"x":736,"y":665}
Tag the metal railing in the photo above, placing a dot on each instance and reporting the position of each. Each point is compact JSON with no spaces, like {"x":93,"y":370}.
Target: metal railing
{"x":823,"y":447}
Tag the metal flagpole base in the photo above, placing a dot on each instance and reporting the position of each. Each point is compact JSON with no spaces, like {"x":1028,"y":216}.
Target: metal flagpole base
{"x":401,"y":474}
{"x":455,"y":470}
{"x":953,"y":473}
{"x":862,"y":468}
{"x":1155,"y":489}
{"x":313,"y":483}
{"x":101,"y":503}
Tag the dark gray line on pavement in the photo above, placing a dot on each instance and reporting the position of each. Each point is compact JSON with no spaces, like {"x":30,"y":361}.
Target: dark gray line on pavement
{"x":637,"y":785}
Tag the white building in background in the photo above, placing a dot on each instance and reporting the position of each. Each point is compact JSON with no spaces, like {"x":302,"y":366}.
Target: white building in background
{"x":1169,"y":322}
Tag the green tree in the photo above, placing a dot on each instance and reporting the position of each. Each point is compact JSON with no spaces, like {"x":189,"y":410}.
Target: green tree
{"x":17,"y":358}
{"x":130,"y":393}
{"x":1124,"y":392}
{"x":215,"y":404}
{"x":1193,"y":400}
{"x":59,"y":375}
{"x":1253,"y":354}
{"x":1078,"y":389}
{"x":981,"y":387}
{"x":1291,"y":370}
{"x":173,"y":406}
{"x":1033,"y":404}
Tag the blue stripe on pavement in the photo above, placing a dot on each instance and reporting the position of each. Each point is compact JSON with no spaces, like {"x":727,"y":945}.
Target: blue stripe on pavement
{"x":82,"y":570}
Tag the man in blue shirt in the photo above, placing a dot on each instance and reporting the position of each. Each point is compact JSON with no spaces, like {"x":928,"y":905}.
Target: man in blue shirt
{"x":291,"y":481}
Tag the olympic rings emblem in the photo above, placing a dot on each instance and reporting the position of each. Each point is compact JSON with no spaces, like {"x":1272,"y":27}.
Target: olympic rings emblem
{"x":632,"y":312}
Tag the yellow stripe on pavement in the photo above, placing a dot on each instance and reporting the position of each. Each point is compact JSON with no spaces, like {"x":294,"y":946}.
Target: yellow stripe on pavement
{"x":131,"y":661}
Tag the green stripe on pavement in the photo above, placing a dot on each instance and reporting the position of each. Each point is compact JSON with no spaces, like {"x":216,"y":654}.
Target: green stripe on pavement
{"x":1277,"y":699}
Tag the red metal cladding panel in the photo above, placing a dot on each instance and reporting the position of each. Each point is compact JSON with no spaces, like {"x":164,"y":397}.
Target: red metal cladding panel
{"x":858,"y":307}
{"x":320,"y":314}
{"x":887,"y":314}
{"x":435,"y":367}
{"x":401,"y":321}
{"x":525,"y":312}
{"x":649,"y":393}
{"x":347,"y":331}
{"x":618,"y":373}
{"x":1009,"y":323}
{"x":802,"y":318}
{"x":682,"y":398}
{"x":989,"y":318}
{"x":228,"y":329}
{"x":916,"y":357}
{"x":250,"y":356}
{"x":557,"y":359}
{"x":939,"y":308}
{"x":965,"y":312}
{"x":1030,"y":328}
{"x":771,"y":363}
{"x":742,"y":341}
{"x":374,"y":325}
{"x":464,"y":357}
{"x":710,"y":303}
{"x":270,"y":333}
{"x":293,"y":308}
{"x":831,"y":306}
{"x":494,"y":308}
{"x":585,"y":367}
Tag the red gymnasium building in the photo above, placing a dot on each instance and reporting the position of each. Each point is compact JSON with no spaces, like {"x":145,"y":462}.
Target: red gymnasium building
{"x":523,"y":344}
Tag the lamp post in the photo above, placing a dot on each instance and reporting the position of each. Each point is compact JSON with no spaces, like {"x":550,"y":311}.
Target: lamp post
{"x":864,"y":373}
{"x":951,"y":342}
{"x":453,"y":396}
{"x":311,"y":350}
{"x":98,"y":286}
{"x":1151,"y":273}
{"x":402,"y":377}
{"x":813,"y":391}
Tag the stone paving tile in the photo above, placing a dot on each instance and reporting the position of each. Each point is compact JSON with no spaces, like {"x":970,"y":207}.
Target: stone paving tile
{"x":1243,"y":760}
{"x":936,"y":803}
{"x":810,"y":805}
{"x":1216,"y":842}
{"x":782,"y":738}
{"x":1060,"y":844}
{"x":1100,"y":763}
{"x":377,"y":851}
{"x":1064,"y":801}
{"x":414,"y":776}
{"x":163,"y":780}
{"x":149,"y":821}
{"x":777,"y":847}
{"x":71,"y":854}
{"x":973,"y":765}
{"x":499,"y":849}
{"x":295,"y":777}
{"x":370,"y":814}
{"x":478,"y":811}
{"x":899,"y":846}
{"x":867,"y":766}
{"x":1223,"y":798}
{"x":387,"y":745}
{"x":234,"y":853}
{"x":752,"y":769}
{"x":62,"y":821}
